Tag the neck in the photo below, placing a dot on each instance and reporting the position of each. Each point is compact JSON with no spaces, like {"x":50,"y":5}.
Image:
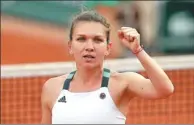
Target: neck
{"x":88,"y":75}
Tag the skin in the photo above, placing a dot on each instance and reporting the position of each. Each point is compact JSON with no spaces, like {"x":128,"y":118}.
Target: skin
{"x":123,"y":87}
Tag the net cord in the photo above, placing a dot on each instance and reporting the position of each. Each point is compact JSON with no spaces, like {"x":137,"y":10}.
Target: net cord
{"x":120,"y":65}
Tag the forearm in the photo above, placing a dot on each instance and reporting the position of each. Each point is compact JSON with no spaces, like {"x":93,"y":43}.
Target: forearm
{"x":155,"y":73}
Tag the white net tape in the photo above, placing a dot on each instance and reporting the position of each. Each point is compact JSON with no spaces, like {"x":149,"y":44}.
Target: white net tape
{"x":120,"y":65}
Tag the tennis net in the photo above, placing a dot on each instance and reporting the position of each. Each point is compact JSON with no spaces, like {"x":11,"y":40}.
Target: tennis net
{"x":21,"y":87}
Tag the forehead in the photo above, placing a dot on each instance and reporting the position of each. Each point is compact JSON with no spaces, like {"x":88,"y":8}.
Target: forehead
{"x":89,"y":28}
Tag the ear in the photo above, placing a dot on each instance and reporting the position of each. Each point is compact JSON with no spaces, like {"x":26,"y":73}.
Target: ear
{"x":109,"y":45}
{"x":70,"y":47}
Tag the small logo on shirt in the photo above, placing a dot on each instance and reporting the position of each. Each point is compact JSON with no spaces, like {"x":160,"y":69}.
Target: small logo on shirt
{"x":102,"y":95}
{"x":63,"y":99}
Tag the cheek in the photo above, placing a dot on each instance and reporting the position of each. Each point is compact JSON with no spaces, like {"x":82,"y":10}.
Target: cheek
{"x":76,"y":47}
{"x":102,"y":50}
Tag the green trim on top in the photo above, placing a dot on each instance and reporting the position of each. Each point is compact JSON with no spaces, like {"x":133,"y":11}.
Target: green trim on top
{"x":105,"y":79}
{"x":106,"y":74}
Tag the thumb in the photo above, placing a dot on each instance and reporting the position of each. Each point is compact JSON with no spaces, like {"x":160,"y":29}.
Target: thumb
{"x":120,"y":35}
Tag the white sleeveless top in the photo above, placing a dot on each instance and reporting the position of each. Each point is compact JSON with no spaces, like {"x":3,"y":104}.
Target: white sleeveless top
{"x":95,"y":107}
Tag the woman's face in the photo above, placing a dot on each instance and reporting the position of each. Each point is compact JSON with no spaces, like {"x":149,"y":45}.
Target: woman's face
{"x":89,"y":44}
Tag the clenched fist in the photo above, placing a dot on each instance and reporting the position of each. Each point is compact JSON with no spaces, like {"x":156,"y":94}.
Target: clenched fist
{"x":130,"y":38}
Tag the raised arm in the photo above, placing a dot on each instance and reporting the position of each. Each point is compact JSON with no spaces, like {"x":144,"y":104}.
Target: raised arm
{"x":158,"y":85}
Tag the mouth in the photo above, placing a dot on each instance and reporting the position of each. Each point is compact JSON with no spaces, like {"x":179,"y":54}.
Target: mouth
{"x":89,"y":57}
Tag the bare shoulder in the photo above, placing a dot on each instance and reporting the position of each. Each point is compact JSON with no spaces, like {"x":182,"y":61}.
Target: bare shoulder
{"x":126,"y":76}
{"x":53,"y":82}
{"x":125,"y":79}
{"x":118,"y":86}
{"x":118,"y":80}
{"x":51,"y":89}
{"x":116,"y":75}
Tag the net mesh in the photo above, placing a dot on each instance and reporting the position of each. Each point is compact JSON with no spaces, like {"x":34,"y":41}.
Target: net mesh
{"x":21,"y":89}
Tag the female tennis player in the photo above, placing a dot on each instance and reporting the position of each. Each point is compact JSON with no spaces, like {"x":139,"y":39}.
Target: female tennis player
{"x":94,"y":94}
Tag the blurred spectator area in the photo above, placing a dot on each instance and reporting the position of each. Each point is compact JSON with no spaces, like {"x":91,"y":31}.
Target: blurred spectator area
{"x":166,"y":27}
{"x":176,"y":31}
{"x":37,"y":31}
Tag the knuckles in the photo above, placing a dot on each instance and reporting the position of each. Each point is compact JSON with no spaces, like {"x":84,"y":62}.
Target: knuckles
{"x":130,"y":33}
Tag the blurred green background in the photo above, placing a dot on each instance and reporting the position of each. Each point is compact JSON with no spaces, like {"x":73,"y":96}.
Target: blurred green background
{"x":166,"y":27}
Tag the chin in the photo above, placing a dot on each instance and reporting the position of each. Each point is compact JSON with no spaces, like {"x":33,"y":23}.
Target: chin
{"x":89,"y":66}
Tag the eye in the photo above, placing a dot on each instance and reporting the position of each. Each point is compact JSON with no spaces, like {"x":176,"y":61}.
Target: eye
{"x":81,"y":39}
{"x":98,"y":40}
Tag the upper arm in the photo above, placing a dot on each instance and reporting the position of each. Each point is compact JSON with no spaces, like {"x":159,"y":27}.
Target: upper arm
{"x":141,"y":87}
{"x":46,"y":112}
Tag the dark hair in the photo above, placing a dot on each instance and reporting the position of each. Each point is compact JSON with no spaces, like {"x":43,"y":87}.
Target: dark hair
{"x":90,"y":16}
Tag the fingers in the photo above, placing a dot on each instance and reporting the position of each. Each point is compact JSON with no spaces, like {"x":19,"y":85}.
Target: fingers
{"x":128,"y":33}
{"x":128,"y":37}
{"x":130,"y":30}
{"x":122,"y":28}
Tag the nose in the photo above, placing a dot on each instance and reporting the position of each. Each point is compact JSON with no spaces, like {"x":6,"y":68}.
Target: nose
{"x":89,"y":46}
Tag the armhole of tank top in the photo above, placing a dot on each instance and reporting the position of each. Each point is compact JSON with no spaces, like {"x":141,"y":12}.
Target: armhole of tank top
{"x":115,"y":106}
{"x":69,"y":78}
{"x":56,"y":100}
{"x":106,"y":76}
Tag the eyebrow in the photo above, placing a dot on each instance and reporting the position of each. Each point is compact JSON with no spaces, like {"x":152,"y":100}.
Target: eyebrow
{"x":89,"y":35}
